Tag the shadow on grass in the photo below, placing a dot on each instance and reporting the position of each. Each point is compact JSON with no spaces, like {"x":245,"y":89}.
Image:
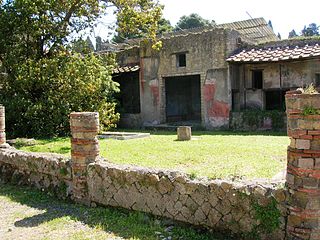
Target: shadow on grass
{"x":123,"y":223}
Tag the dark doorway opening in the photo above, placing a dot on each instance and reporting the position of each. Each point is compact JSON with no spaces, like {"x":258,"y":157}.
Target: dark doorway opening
{"x":183,"y":98}
{"x":129,"y":96}
{"x":275,"y":99}
{"x":257,"y":79}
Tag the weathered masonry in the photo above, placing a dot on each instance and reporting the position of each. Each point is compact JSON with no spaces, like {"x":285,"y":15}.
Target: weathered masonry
{"x":303,"y":167}
{"x":261,"y":75}
{"x":210,"y":76}
{"x":188,"y":79}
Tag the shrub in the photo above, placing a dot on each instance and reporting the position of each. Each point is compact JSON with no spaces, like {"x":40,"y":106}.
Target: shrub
{"x":42,"y":93}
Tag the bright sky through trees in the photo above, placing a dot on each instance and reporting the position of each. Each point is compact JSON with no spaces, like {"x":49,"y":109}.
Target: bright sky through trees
{"x":285,"y":15}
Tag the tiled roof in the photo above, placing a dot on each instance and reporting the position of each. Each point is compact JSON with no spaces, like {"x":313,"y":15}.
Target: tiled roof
{"x":256,"y":29}
{"x":124,"y":69}
{"x":276,"y":54}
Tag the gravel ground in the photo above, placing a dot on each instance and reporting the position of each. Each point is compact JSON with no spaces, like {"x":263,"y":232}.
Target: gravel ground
{"x":22,"y":221}
{"x":29,"y":214}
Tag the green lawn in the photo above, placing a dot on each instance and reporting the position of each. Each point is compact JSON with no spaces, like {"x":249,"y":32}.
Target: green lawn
{"x":30,"y":214}
{"x":211,"y":154}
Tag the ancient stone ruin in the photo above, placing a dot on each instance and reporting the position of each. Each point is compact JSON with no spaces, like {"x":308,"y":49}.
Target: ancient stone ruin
{"x":184,"y":133}
{"x":258,"y":209}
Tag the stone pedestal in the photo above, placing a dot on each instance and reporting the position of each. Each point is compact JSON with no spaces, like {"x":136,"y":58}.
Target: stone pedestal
{"x":303,"y":166}
{"x":84,"y":150}
{"x":184,"y":133}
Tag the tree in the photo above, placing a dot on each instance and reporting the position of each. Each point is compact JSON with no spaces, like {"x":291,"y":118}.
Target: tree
{"x":292,"y":34}
{"x":82,"y":46}
{"x":45,"y":91}
{"x":98,"y":43}
{"x":279,"y":36}
{"x":164,"y":26}
{"x":46,"y":79}
{"x":40,"y":28}
{"x":311,"y":30}
{"x":270,"y":24}
{"x":193,"y":21}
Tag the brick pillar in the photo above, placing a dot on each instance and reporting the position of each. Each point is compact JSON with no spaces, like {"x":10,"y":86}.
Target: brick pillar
{"x":303,"y":165}
{"x":3,"y":143}
{"x":2,"y":125}
{"x":84,"y":150}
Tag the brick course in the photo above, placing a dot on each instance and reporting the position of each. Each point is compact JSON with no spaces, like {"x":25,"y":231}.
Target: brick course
{"x":2,"y":126}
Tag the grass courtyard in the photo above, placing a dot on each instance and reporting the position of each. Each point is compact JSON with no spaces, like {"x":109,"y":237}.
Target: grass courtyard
{"x":210,"y":154}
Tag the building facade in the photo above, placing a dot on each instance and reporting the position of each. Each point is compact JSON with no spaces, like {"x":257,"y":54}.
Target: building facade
{"x":200,"y":76}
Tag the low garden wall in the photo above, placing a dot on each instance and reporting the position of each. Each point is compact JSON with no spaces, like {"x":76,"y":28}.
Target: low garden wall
{"x":50,"y":172}
{"x":247,"y":209}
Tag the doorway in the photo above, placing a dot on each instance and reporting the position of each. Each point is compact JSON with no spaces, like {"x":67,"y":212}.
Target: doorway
{"x":183,"y":101}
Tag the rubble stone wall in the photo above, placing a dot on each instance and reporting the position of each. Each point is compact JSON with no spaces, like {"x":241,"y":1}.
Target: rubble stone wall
{"x":244,"y":208}
{"x":51,"y":172}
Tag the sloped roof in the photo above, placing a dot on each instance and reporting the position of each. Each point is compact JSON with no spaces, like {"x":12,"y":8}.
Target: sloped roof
{"x":256,"y":29}
{"x":285,"y":53}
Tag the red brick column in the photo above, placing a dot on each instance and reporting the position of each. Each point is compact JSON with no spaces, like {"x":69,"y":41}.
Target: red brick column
{"x":303,"y":166}
{"x":84,"y":150}
{"x":2,"y":125}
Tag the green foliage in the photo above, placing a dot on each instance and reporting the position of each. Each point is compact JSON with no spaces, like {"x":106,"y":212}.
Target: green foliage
{"x":193,"y":175}
{"x":44,"y":79}
{"x":138,"y":17}
{"x":292,"y":34}
{"x":41,"y":28}
{"x":63,"y":171}
{"x":164,"y":26}
{"x":308,"y":31}
{"x":82,"y":46}
{"x":311,"y":30}
{"x":310,"y":110}
{"x":45,"y":91}
{"x":193,"y":21}
{"x":268,"y":216}
{"x":256,"y":117}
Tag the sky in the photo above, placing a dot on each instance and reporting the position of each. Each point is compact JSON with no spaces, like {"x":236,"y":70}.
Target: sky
{"x":285,"y":15}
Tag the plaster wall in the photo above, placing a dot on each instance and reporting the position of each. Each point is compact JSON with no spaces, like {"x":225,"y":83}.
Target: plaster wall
{"x":205,"y":56}
{"x":285,"y":75}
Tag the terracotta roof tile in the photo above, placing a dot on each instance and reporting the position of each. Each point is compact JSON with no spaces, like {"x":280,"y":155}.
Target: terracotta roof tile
{"x":276,"y":54}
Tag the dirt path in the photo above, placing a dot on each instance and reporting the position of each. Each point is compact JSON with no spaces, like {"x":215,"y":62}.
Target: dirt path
{"x":20,"y":221}
{"x":28,"y":214}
